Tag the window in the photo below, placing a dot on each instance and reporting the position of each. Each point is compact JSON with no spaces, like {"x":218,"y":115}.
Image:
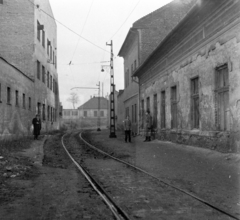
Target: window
{"x":50,"y":52}
{"x":195,"y":102}
{"x":55,"y":61}
{"x":127,"y":78}
{"x":95,"y":113}
{"x":53,"y":57}
{"x":43,"y":74}
{"x":38,"y":30}
{"x":48,"y":113}
{"x":24,"y":101}
{"x":43,"y":111}
{"x":43,"y":38}
{"x":38,"y":69}
{"x":142,"y":113}
{"x":16,"y":96}
{"x":51,"y":82}
{"x":163,"y":109}
{"x":155,"y":111}
{"x":127,"y":112}
{"x":85,"y":113}
{"x":51,"y":114}
{"x":39,"y":108}
{"x":8,"y":95}
{"x":102,"y":113}
{"x":0,"y":93}
{"x":1,"y":1}
{"x":29,"y":103}
{"x":48,"y":45}
{"x":148,"y":103}
{"x":222,"y":97}
{"x":174,"y":107}
{"x":75,"y":113}
{"x":48,"y":79}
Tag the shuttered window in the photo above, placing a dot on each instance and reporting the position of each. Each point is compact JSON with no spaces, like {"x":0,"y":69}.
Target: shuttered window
{"x":195,"y":102}
{"x":174,"y":107}
{"x":222,"y":98}
{"x":163,"y":109}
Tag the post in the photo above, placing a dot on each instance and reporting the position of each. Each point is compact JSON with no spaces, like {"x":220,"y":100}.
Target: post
{"x":112,"y":103}
{"x":99,"y":108}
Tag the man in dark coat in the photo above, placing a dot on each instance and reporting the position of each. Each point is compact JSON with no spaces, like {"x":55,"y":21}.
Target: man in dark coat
{"x":36,"y":126}
{"x":127,"y":128}
{"x":148,"y":126}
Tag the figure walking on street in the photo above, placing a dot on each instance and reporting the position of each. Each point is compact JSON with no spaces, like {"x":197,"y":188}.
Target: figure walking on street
{"x":36,"y":126}
{"x":148,"y":126}
{"x":127,"y":128}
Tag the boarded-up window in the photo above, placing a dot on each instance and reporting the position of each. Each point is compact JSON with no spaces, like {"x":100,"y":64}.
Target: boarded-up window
{"x":155,"y":111}
{"x":163,"y":109}
{"x":222,"y":96}
{"x":174,"y":107}
{"x":195,"y":102}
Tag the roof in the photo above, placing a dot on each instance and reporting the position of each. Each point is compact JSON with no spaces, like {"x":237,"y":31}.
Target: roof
{"x":93,"y":103}
{"x":156,"y":25}
{"x":168,"y":36}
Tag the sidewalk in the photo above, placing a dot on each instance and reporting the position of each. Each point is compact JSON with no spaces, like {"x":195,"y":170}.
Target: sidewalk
{"x":210,"y":175}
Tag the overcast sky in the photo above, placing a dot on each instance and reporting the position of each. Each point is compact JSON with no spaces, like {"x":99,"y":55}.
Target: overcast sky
{"x":98,"y":21}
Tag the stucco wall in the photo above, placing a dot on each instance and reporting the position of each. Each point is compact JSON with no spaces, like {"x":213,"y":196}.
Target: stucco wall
{"x":15,"y":120}
{"x":218,"y":45}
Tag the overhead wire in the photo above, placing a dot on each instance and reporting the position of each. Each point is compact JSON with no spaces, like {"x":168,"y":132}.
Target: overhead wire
{"x":68,"y":27}
{"x":125,"y":20}
{"x":82,"y":30}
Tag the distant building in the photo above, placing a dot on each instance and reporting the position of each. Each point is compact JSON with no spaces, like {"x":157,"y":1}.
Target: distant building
{"x":142,"y":39}
{"x":28,"y":66}
{"x":191,"y":81}
{"x":88,"y":114}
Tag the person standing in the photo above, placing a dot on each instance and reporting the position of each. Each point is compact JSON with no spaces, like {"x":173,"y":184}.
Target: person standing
{"x":127,"y":128}
{"x":36,"y":126}
{"x":148,"y":126}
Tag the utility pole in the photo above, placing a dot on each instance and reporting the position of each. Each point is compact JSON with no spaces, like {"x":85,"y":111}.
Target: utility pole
{"x":99,"y":107}
{"x":112,"y":103}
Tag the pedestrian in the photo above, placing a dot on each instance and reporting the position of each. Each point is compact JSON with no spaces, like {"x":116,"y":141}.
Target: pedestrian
{"x":36,"y":126}
{"x":148,"y":126}
{"x":127,"y":128}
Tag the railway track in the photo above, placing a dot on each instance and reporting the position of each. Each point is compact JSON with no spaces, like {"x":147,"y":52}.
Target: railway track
{"x":123,"y":186}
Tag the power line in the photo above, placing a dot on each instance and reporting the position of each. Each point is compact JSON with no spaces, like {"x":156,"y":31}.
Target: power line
{"x":125,"y":20}
{"x":68,"y":28}
{"x":82,"y":29}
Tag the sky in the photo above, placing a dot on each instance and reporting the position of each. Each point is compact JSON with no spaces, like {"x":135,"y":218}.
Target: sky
{"x":83,"y":29}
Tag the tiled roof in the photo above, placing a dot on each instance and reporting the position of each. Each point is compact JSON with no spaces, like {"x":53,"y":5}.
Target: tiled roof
{"x":93,"y":103}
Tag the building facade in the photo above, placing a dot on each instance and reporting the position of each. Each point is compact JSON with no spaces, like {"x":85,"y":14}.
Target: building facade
{"x":191,"y":82}
{"x":88,"y":115}
{"x":28,"y":45}
{"x":143,"y":37}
